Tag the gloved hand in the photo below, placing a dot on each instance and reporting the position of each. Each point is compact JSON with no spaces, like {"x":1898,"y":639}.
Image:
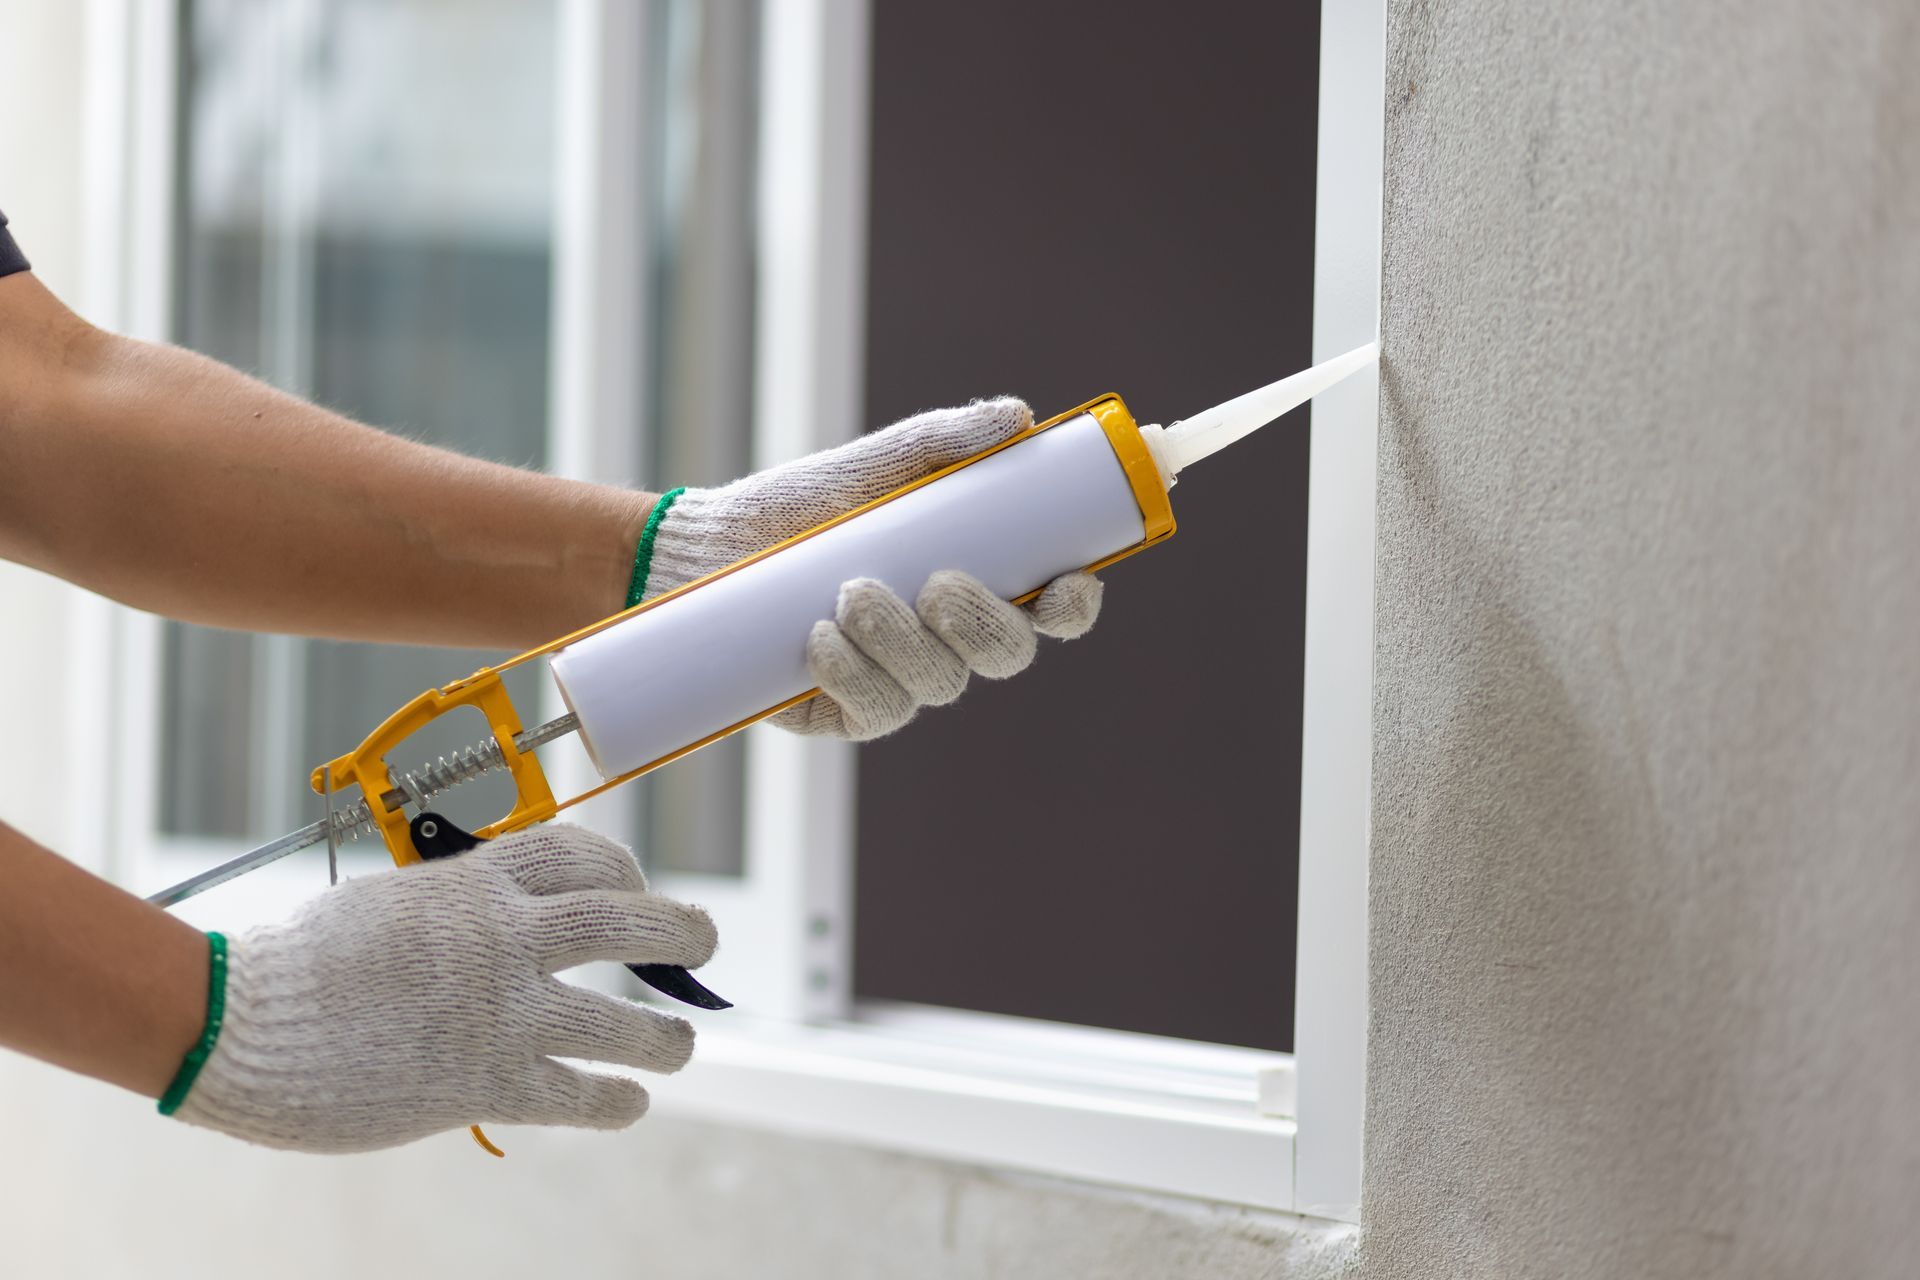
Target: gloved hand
{"x":423,"y":999}
{"x":879,"y":660}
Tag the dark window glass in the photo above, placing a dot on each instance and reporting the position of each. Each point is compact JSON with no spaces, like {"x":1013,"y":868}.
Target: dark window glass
{"x":1064,"y":205}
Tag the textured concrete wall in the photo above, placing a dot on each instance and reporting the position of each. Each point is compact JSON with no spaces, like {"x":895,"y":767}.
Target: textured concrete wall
{"x":1646,"y":877}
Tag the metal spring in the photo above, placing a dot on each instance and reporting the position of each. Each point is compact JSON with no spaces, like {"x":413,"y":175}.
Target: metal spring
{"x":423,"y":783}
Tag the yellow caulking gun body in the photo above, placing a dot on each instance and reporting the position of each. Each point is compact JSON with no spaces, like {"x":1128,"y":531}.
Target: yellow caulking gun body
{"x":675,"y":673}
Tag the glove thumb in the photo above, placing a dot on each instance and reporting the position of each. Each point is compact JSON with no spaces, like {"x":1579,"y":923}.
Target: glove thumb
{"x":707,"y":529}
{"x":882,"y":461}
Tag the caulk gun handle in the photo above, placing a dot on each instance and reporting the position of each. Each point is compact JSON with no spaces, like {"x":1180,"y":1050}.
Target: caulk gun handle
{"x":435,"y":837}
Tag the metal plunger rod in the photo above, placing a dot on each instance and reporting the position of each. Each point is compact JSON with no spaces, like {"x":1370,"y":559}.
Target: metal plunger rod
{"x":448,"y":772}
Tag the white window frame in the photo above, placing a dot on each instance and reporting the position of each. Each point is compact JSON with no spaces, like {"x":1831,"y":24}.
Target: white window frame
{"x":1116,"y":1107}
{"x":1105,"y":1106}
{"x":1336,"y":785}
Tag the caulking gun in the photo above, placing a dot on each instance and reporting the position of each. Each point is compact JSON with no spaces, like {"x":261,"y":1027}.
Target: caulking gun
{"x":1079,"y":491}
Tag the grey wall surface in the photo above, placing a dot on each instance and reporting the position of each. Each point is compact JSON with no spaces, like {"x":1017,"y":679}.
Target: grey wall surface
{"x":1646,"y":872}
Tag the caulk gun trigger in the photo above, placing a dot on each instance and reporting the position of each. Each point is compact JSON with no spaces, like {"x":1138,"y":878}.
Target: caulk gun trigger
{"x":435,"y":837}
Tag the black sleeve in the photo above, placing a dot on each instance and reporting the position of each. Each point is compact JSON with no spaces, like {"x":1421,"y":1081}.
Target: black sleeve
{"x":11,"y":259}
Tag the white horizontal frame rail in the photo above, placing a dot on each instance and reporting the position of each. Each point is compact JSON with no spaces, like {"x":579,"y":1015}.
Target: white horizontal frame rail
{"x":1109,"y":1107}
{"x":1330,"y":1020}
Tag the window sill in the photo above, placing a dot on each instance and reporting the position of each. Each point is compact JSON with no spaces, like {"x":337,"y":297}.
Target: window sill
{"x":1099,"y":1106}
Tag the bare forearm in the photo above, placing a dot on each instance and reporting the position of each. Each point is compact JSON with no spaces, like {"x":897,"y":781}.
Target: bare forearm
{"x":178,"y":485}
{"x":92,"y":978}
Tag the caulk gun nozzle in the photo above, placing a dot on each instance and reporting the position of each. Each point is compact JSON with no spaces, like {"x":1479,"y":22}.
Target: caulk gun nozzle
{"x":1212,"y":430}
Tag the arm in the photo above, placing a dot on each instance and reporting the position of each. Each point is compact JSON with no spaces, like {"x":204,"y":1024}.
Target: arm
{"x":96,"y":980}
{"x":178,"y":485}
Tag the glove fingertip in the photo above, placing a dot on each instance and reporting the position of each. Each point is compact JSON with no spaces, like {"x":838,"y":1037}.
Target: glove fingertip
{"x":700,"y":937}
{"x":676,"y":1049}
{"x":940,"y":438}
{"x":555,"y":1093}
{"x":614,"y":1102}
{"x":1003,"y":416}
{"x":827,"y":651}
{"x":863,"y":598}
{"x":878,"y":728}
{"x":953,"y":594}
{"x":953,"y":580}
{"x":995,"y":639}
{"x":819,"y":717}
{"x":1069,"y":606}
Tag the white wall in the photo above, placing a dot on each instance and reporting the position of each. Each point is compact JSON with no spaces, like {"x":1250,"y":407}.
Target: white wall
{"x":41,"y":91}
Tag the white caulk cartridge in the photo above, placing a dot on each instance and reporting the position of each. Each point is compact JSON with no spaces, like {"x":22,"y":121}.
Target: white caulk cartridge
{"x":1079,"y":491}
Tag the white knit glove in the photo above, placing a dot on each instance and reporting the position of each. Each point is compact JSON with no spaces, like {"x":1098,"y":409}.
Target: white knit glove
{"x":880,"y":660}
{"x":423,"y":999}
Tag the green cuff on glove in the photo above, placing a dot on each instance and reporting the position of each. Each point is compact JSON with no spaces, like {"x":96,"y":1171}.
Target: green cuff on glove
{"x":643,"y":553}
{"x":209,"y":1034}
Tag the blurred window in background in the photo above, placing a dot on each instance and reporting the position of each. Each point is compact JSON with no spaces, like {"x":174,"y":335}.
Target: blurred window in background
{"x":365,"y":194}
{"x":365,"y":204}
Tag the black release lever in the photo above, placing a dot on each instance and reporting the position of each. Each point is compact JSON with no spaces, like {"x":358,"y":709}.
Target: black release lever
{"x":435,"y":837}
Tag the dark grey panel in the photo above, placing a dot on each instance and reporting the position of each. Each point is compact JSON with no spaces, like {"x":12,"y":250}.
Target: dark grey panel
{"x":1063,"y":206}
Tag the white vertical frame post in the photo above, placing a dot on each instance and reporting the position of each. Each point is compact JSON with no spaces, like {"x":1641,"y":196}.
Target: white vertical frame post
{"x":599,"y":342}
{"x":808,"y":393}
{"x":1330,"y":1022}
{"x":289,"y":282}
{"x":106,"y":180}
{"x":138,"y":131}
{"x":152,"y":187}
